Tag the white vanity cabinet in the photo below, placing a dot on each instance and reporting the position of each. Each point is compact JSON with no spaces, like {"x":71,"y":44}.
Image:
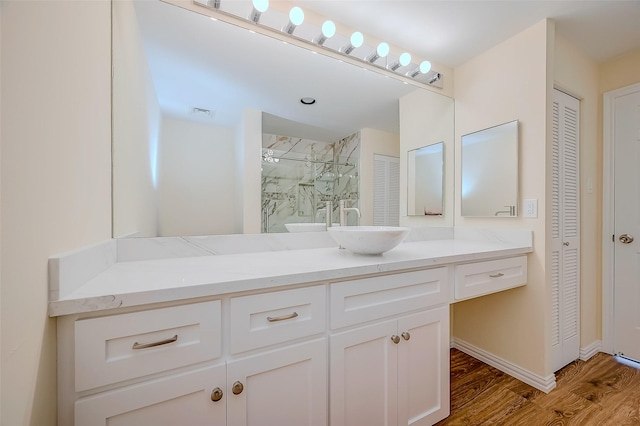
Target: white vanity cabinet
{"x":390,"y":371}
{"x":169,"y":366}
{"x":285,"y":385}
{"x":114,"y":369}
{"x":366,"y":347}
{"x":490,"y":276}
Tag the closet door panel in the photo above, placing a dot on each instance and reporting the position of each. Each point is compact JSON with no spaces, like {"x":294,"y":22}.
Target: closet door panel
{"x":565,"y":231}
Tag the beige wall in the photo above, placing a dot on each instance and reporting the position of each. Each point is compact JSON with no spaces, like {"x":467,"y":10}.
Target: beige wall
{"x":373,"y":142}
{"x":505,"y":83}
{"x":1,"y":49}
{"x":620,"y":72}
{"x":56,"y":178}
{"x":577,"y":75}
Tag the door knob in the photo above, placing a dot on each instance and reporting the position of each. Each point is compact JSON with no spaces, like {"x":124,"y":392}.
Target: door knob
{"x":625,"y":239}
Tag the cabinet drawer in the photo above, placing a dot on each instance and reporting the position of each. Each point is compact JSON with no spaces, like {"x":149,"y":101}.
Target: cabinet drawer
{"x":265,"y":319}
{"x":372,"y":298}
{"x":121,"y":347}
{"x":477,"y":279}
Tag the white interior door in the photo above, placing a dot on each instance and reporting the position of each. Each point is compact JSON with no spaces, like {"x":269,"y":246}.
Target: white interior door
{"x":565,"y":231}
{"x":626,"y":174}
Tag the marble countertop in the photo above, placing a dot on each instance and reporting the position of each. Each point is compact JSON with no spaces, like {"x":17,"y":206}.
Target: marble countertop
{"x":141,"y":282}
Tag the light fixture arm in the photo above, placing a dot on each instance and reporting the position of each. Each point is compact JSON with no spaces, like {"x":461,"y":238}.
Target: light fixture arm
{"x":372,"y":57}
{"x":347,"y":49}
{"x":289,"y":28}
{"x":320,"y":39}
{"x":296,"y":18}
{"x":255,"y":15}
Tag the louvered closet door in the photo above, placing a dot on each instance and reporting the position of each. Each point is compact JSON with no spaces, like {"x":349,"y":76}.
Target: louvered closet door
{"x":565,"y":231}
{"x":386,"y":192}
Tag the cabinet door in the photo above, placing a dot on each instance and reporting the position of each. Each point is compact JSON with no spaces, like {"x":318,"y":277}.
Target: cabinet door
{"x":363,"y":376}
{"x":181,"y":399}
{"x":287,"y":386}
{"x":423,"y":367}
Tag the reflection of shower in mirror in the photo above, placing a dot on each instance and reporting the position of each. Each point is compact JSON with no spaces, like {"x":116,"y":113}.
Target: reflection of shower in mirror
{"x":308,"y":176}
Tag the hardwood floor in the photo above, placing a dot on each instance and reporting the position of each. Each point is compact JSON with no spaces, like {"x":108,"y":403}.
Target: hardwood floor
{"x":601,"y":391}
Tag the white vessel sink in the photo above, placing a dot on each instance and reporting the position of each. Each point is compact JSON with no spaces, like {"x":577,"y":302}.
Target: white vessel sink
{"x":368,"y":239}
{"x":306,"y":227}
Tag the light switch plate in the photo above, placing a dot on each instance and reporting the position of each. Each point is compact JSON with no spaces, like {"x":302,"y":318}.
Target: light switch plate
{"x":530,"y":208}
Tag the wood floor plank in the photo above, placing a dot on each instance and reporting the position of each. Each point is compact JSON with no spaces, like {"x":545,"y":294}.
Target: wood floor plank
{"x":601,"y":391}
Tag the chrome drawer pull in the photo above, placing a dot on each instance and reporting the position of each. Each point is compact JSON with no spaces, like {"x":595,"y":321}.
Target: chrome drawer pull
{"x":137,"y":345}
{"x":498,"y":275}
{"x":282,"y":318}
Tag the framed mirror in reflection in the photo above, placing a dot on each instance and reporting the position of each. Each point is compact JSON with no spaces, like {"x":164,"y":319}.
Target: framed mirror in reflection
{"x":195,"y":99}
{"x":490,"y":172}
{"x":425,"y":180}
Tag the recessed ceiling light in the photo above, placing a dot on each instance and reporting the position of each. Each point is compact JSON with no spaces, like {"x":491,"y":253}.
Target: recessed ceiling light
{"x":308,"y":101}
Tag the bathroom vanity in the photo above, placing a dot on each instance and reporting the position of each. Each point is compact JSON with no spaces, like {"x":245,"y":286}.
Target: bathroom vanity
{"x":297,"y":336}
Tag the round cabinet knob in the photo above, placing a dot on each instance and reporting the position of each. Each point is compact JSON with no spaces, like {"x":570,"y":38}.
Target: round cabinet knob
{"x":395,"y":339}
{"x":237,"y":388}
{"x":216,"y":394}
{"x":405,"y":335}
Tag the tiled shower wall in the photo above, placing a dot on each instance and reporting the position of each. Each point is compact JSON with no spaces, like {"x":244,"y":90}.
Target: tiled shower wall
{"x":300,"y":175}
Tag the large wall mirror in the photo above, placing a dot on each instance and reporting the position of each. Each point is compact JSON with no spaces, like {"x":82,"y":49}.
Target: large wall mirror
{"x":193,"y":99}
{"x":425,"y":180}
{"x":490,"y":172}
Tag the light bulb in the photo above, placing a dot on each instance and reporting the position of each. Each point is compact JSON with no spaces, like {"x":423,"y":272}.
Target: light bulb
{"x":405,"y":59}
{"x":357,"y":39}
{"x":382,"y":50}
{"x":261,"y":5}
{"x":296,"y":16}
{"x":328,"y":29}
{"x":423,"y":68}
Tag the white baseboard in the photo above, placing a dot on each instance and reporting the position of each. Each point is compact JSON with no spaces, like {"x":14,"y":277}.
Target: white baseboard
{"x":545,"y":384}
{"x":590,"y":350}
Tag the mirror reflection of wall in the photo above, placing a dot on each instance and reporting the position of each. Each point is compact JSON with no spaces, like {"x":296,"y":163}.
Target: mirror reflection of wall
{"x":425,"y":180}
{"x":490,"y":172}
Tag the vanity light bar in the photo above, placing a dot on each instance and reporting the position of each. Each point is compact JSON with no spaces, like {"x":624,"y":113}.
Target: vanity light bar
{"x":296,"y":18}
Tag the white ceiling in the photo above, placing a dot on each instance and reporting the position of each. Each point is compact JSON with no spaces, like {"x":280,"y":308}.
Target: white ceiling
{"x":451,"y":32}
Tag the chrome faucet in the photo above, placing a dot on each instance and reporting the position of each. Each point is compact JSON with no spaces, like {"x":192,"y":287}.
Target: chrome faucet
{"x":344,"y":210}
{"x":327,"y":213}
